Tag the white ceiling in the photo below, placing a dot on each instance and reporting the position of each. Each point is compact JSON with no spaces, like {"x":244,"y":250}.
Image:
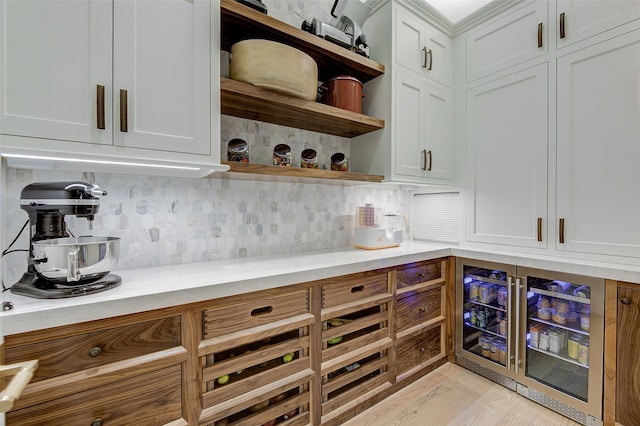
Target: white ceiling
{"x":456,"y":10}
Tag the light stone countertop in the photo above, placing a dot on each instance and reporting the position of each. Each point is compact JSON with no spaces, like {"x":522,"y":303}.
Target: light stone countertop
{"x":166,"y":286}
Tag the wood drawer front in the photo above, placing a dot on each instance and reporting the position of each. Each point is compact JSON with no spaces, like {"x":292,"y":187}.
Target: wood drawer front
{"x":354,"y":287}
{"x":417,"y":308}
{"x":417,"y":273}
{"x":414,"y":350}
{"x":252,"y":313}
{"x":75,"y":353}
{"x":149,"y":399}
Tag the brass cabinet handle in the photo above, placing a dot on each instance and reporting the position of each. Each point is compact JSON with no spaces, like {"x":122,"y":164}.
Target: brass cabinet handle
{"x":124,"y":125}
{"x":562,"y":32}
{"x":100,"y":106}
{"x":424,"y":159}
{"x":95,"y":352}
{"x":424,"y":55}
{"x":539,"y":229}
{"x":561,"y":236}
{"x":625,"y":301}
{"x":430,"y":155}
{"x":540,"y":34}
{"x":430,"y":55}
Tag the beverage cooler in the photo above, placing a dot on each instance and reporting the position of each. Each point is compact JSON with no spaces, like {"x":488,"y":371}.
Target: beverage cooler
{"x":537,"y":332}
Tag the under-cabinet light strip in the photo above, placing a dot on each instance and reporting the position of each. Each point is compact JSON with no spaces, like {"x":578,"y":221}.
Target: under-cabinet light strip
{"x":109,"y":162}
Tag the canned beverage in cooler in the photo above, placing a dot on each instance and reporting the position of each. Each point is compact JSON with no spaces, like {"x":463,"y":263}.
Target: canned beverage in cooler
{"x":583,"y":352}
{"x":543,"y":341}
{"x":573,"y":345}
{"x":534,"y":336}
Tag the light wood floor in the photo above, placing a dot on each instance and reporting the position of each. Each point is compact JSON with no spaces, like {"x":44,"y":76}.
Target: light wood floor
{"x":452,"y":395}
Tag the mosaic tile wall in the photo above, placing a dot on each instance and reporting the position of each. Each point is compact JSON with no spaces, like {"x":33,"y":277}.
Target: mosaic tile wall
{"x":164,"y":221}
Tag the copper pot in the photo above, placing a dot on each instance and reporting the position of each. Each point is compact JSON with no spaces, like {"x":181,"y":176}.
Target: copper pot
{"x":344,"y":92}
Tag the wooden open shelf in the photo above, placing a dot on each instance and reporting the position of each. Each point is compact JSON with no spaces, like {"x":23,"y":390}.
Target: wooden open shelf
{"x":275,"y":172}
{"x":240,"y":22}
{"x":247,"y":101}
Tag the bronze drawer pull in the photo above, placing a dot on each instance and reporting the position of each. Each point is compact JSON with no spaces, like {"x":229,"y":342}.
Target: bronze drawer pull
{"x":424,"y":51}
{"x":539,"y":229}
{"x":357,"y":289}
{"x":422,"y":309}
{"x":430,"y":55}
{"x":430,"y":155}
{"x":100,"y":106}
{"x":424,"y":159}
{"x":625,"y":301}
{"x":124,"y":124}
{"x":561,"y":236}
{"x":423,"y":350}
{"x":540,"y":34}
{"x":562,"y":32}
{"x":95,"y":352}
{"x":97,"y":422}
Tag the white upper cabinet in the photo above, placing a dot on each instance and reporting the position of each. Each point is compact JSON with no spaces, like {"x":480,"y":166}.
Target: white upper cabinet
{"x":422,"y":48}
{"x":162,"y":61}
{"x":580,"y":19}
{"x":116,"y":80}
{"x":414,"y":97}
{"x":509,"y":40}
{"x":598,"y":135}
{"x":422,"y":121}
{"x":507,"y":141}
{"x":54,"y":57}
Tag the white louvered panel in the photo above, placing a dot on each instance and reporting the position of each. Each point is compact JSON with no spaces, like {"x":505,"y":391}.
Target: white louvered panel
{"x":437,"y":217}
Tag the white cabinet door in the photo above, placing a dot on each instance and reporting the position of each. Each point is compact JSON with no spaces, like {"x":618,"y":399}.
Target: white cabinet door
{"x":163,"y":61}
{"x":53,"y":57}
{"x":423,"y":132}
{"x":579,"y":19}
{"x":507,"y":136}
{"x":598,"y":134}
{"x":510,"y":40}
{"x":421,"y":48}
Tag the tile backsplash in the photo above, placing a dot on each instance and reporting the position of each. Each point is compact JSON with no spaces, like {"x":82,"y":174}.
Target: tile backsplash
{"x":164,"y":221}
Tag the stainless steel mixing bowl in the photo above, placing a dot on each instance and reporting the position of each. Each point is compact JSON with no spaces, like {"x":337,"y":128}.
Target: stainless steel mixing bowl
{"x":75,"y":260}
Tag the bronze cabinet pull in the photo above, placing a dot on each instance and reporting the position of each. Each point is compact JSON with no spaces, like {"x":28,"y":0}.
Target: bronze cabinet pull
{"x":430,"y":155}
{"x":540,"y":34}
{"x":562,"y":33}
{"x":424,"y":159}
{"x":100,"y":106}
{"x":424,"y":55}
{"x":625,"y":301}
{"x":561,"y":236}
{"x":430,"y":55}
{"x":124,"y":125}
{"x":539,"y":229}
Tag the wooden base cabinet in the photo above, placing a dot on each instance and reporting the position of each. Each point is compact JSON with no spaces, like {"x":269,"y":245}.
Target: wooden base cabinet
{"x":307,"y":354}
{"x":622,"y":354}
{"x":255,"y":360}
{"x":120,"y":371}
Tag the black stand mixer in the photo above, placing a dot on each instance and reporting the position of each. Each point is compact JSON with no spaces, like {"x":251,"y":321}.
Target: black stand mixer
{"x":61,"y":266}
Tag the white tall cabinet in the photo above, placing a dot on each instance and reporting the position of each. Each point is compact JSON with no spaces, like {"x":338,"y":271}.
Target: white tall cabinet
{"x":413,"y":97}
{"x":598,"y":148}
{"x":118,"y":79}
{"x":507,"y":141}
{"x":551,"y":134}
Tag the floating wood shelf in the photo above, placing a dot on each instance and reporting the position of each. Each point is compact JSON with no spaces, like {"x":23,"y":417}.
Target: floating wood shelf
{"x":247,"y":101}
{"x":240,"y":22}
{"x":274,"y":172}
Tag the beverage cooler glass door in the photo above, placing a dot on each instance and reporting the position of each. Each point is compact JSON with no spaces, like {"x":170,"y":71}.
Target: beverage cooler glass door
{"x":563,"y":350}
{"x":485,"y":315}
